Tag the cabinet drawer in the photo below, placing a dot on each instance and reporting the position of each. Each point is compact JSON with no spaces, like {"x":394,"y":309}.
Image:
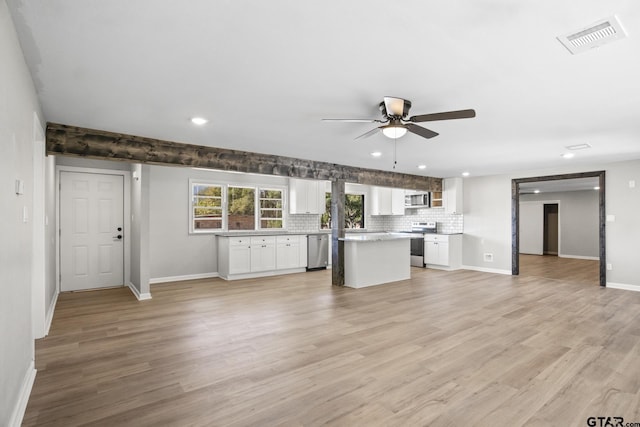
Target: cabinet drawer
{"x":436,"y":238}
{"x":287,"y":239}
{"x":263,"y":240}
{"x":239,"y":241}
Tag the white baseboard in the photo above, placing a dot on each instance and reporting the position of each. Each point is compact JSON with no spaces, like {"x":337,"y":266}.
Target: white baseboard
{"x":263,"y":274}
{"x":181,"y":278}
{"x":25,"y":391}
{"x":139,"y":296}
{"x":624,"y":286}
{"x":593,"y":258}
{"x":487,"y":270}
{"x":49,"y":319}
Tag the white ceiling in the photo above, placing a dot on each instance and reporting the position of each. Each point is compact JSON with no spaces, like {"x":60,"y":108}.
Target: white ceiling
{"x":265,"y":73}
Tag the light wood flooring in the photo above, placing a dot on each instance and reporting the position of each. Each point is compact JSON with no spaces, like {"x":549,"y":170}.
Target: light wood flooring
{"x":564,"y":269}
{"x":441,"y":349}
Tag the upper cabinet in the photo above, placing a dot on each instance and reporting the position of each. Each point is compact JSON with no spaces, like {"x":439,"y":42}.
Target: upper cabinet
{"x":452,"y":195}
{"x":386,"y":201}
{"x":306,"y":196}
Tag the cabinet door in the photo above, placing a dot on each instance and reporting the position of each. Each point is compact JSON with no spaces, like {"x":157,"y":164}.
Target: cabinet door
{"x":397,"y":201}
{"x":443,"y":253}
{"x":313,"y":201}
{"x":288,"y":251}
{"x":431,"y":254}
{"x":239,"y":259}
{"x":452,"y":195}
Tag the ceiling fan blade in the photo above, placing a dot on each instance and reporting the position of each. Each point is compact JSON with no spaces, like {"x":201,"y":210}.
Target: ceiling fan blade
{"x":460,"y":114}
{"x":353,"y":120}
{"x":367,"y":134}
{"x":395,"y":106}
{"x":419,"y":130}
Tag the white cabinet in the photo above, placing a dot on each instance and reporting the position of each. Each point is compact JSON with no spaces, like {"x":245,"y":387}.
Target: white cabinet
{"x":239,"y":256}
{"x":242,"y":257}
{"x":443,"y":251}
{"x":306,"y":196}
{"x":386,"y":201}
{"x":291,"y":252}
{"x":452,"y":195}
{"x":263,"y":253}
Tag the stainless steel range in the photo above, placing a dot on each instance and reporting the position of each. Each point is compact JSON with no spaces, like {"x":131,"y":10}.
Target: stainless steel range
{"x":417,"y":243}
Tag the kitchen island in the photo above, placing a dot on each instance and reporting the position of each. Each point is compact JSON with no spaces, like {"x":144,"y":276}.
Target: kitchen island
{"x":376,"y":258}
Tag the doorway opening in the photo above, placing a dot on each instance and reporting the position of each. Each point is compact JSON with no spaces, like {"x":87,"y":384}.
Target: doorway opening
{"x":550,"y":229}
{"x":553,"y":242}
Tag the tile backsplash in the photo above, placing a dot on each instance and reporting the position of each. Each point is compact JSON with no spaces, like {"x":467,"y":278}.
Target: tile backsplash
{"x":303,"y":223}
{"x":447,"y":223}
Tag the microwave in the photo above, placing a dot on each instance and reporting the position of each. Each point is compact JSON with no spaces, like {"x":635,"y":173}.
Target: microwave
{"x":417,"y":200}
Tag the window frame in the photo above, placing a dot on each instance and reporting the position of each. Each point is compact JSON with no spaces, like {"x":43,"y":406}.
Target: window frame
{"x":192,"y":207}
{"x":225,"y":185}
{"x":259,"y":209}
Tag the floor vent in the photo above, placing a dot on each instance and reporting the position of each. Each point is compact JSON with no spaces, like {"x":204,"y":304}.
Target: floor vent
{"x":595,"y":35}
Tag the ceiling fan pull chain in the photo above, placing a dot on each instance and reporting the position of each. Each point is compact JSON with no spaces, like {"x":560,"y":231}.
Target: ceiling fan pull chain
{"x":395,"y":149}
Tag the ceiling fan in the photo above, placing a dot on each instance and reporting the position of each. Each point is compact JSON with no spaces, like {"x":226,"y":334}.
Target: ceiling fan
{"x":395,"y":123}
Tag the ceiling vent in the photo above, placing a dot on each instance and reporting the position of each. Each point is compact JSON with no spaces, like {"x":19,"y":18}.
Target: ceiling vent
{"x":578,"y":146}
{"x":595,"y":35}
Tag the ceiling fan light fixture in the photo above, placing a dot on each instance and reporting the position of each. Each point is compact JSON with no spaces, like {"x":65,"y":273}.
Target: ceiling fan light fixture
{"x":394,"y":132}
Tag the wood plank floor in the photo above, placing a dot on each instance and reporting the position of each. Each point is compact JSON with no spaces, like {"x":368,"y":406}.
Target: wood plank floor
{"x":573,"y":270}
{"x":441,"y":349}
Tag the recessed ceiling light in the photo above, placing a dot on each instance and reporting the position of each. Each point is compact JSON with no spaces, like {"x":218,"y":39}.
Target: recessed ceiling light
{"x":536,"y":191}
{"x":422,"y":166}
{"x":465,"y":174}
{"x":596,"y":187}
{"x":568,"y":155}
{"x":376,"y":154}
{"x":199,"y":121}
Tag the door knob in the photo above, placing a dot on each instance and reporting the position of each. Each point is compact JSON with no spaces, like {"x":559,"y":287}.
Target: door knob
{"x":119,"y":237}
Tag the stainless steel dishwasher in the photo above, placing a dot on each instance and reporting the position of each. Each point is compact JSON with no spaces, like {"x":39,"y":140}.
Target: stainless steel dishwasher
{"x":317,"y":251}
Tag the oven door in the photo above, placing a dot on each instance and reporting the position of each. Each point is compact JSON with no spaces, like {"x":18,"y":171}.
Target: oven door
{"x":417,"y":251}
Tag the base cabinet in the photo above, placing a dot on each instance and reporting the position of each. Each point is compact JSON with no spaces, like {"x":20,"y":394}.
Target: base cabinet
{"x":443,"y":251}
{"x":256,"y":256}
{"x":263,"y":253}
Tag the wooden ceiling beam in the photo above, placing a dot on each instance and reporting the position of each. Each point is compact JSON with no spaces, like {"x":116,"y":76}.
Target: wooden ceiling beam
{"x":97,"y":144}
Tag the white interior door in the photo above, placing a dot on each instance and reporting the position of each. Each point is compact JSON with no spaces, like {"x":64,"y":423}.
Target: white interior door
{"x":531,"y":228}
{"x":91,"y":231}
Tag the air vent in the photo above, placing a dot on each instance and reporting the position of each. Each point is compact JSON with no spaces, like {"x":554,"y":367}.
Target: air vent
{"x":578,"y":146}
{"x":596,"y":35}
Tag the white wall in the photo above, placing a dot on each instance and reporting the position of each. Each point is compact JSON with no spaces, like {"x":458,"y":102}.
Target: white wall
{"x":487,"y":223}
{"x":578,"y":220}
{"x":140,"y":229}
{"x":18,"y":103}
{"x":487,"y":203}
{"x":623,"y":235}
{"x":173,"y":251}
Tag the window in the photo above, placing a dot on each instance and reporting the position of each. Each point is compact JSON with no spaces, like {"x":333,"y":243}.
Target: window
{"x":220,"y":207}
{"x":206,"y":207}
{"x":242,"y":208}
{"x":353,"y":211}
{"x":270,"y":208}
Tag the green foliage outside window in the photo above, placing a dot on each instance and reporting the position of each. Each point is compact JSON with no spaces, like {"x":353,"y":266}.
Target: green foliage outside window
{"x":353,"y":211}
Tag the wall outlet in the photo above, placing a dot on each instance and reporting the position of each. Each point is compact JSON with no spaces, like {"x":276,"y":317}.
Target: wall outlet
{"x":609,"y":267}
{"x":632,"y":184}
{"x":488,"y":257}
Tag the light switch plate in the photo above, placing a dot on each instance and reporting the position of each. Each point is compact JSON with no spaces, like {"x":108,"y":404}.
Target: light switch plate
{"x":611,"y":218}
{"x":632,"y":183}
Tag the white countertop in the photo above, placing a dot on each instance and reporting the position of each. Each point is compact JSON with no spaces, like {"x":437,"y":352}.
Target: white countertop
{"x":375,"y":237}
